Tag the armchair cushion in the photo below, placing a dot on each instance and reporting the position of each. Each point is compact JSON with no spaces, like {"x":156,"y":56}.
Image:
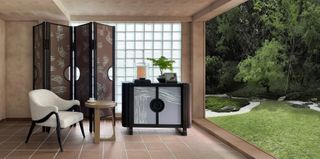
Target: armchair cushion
{"x":67,"y":119}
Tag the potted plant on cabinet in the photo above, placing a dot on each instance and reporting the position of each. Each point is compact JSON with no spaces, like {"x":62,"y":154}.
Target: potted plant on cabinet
{"x":164,"y":64}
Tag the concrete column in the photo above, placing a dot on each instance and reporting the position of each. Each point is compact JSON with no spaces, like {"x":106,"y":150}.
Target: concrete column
{"x":198,"y":69}
{"x":2,"y":71}
{"x":186,"y":52}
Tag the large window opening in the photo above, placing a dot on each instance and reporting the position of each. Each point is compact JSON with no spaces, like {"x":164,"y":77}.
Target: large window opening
{"x":135,"y":42}
{"x":262,"y":75}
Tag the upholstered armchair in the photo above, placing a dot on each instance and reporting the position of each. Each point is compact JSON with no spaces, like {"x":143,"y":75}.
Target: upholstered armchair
{"x":49,"y":110}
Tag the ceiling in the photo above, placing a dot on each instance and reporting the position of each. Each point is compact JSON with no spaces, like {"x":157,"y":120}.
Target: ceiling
{"x":30,"y":10}
{"x":64,"y":9}
{"x":135,"y":7}
{"x":114,"y":10}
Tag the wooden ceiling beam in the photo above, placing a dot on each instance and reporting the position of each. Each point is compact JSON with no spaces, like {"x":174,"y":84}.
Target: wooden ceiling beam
{"x":63,"y":9}
{"x":216,"y":8}
{"x":131,"y":18}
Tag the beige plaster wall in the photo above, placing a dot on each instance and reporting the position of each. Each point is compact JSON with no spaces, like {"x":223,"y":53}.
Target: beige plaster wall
{"x":2,"y":71}
{"x":18,"y":68}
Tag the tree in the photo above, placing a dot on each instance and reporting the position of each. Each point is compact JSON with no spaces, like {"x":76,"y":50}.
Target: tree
{"x":294,"y":23}
{"x":266,"y":68}
{"x":310,"y":19}
{"x":227,"y":73}
{"x":213,"y":65}
{"x":236,"y":34}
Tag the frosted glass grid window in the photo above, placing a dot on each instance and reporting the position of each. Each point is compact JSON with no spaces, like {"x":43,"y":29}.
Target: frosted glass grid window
{"x":135,"y":42}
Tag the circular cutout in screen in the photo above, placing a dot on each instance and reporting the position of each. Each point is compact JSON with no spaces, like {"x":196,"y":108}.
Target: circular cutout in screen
{"x":110,"y":73}
{"x":67,"y":73}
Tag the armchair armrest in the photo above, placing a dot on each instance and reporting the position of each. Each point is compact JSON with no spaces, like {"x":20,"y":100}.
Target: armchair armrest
{"x":40,"y":112}
{"x":67,"y":104}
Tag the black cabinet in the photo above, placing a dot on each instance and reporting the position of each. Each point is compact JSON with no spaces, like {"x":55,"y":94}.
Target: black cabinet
{"x":156,"y":105}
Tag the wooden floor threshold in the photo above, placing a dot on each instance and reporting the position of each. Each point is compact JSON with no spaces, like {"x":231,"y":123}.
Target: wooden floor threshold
{"x":240,"y":145}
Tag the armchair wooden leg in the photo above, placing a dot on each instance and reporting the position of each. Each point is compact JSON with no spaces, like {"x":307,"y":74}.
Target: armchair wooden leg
{"x":58,"y":132}
{"x":74,"y":125}
{"x":30,"y":131}
{"x":81,"y":127}
{"x":43,"y":128}
{"x":48,"y":129}
{"x":114,"y":116}
{"x":90,"y":119}
{"x":58,"y":136}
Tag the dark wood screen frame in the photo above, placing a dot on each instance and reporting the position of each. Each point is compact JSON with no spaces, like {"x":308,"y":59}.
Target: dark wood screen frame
{"x":34,"y":55}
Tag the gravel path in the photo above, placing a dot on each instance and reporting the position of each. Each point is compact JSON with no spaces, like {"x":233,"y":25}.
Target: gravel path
{"x":242,"y":110}
{"x":313,"y":106}
{"x":249,"y":107}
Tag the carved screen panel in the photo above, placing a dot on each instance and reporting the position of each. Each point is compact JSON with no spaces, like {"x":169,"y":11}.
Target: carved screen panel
{"x":104,"y":61}
{"x":38,"y":56}
{"x":104,"y":85}
{"x":60,"y":60}
{"x":83,"y":62}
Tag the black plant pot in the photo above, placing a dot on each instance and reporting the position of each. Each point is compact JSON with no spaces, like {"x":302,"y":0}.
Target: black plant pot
{"x":161,"y":79}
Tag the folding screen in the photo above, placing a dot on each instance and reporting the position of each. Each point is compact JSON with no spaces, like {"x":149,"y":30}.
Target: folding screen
{"x":94,"y":57}
{"x":91,"y":67}
{"x":83,"y":63}
{"x":52,"y":59}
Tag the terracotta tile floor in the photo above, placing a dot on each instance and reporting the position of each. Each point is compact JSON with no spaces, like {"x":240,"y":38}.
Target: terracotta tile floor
{"x":144,"y":144}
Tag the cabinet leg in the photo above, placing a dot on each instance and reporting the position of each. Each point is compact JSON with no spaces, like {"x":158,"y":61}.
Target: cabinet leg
{"x":130,"y":131}
{"x":184,"y":131}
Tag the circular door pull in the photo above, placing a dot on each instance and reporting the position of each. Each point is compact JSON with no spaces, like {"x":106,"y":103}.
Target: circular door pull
{"x":157,"y":105}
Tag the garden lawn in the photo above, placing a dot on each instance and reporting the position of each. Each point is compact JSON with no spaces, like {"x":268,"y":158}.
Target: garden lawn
{"x":216,"y":103}
{"x":278,"y":128}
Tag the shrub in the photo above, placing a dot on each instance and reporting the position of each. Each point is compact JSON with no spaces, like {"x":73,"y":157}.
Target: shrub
{"x":227,"y":73}
{"x":251,"y":91}
{"x":213,"y":66}
{"x":217,"y":103}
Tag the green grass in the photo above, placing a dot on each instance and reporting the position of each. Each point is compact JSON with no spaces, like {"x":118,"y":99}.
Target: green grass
{"x":216,"y":103}
{"x":276,"y":127}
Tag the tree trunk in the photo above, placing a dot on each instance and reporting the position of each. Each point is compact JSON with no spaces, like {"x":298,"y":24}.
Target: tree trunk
{"x":268,"y":89}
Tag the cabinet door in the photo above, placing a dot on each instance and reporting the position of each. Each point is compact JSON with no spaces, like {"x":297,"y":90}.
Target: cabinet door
{"x":142,"y":112}
{"x":171,"y":114}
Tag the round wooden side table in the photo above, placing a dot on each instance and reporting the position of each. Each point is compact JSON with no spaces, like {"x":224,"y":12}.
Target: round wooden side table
{"x":97,"y":105}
